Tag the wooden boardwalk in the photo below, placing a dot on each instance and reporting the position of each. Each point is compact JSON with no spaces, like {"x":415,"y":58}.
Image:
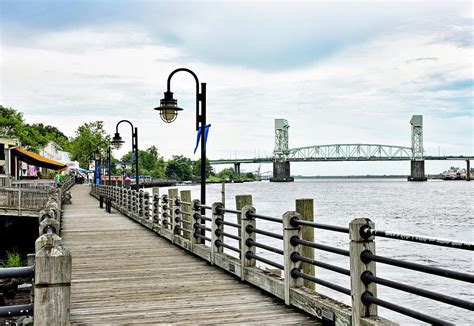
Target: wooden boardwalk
{"x":123,"y":273}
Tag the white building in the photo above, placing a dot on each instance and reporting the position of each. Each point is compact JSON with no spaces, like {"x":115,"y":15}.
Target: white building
{"x":54,"y":152}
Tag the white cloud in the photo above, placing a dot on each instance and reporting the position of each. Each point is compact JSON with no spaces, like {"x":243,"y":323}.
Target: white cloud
{"x":364,"y":93}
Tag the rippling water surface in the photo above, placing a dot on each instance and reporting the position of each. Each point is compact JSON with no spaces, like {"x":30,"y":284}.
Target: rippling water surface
{"x":442,"y":209}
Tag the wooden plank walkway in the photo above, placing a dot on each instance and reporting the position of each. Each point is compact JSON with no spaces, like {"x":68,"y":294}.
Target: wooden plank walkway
{"x":123,"y":273}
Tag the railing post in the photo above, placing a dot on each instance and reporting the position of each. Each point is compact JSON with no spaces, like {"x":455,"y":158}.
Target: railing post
{"x":289,"y":250}
{"x":156,"y":208}
{"x":215,"y":234}
{"x":305,"y":207}
{"x":146,"y":197}
{"x":196,"y":214}
{"x":187,"y":211}
{"x":164,"y":211}
{"x":141,"y":206}
{"x":246,"y":221}
{"x":52,"y":283}
{"x":358,"y":244}
{"x":240,"y":202}
{"x":172,"y":195}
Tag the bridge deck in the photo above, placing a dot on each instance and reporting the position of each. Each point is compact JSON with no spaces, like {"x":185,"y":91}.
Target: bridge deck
{"x":123,"y":273}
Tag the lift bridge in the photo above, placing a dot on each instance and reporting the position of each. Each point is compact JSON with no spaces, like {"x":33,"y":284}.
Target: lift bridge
{"x":283,"y":155}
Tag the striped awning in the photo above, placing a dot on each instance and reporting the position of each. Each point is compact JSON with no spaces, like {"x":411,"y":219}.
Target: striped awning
{"x":37,"y":160}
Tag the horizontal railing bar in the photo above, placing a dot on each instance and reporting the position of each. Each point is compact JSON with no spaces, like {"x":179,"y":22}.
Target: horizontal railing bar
{"x":183,"y":229}
{"x":263,"y":217}
{"x":219,"y":233}
{"x":369,"y":299}
{"x":367,"y":232}
{"x":197,"y":216}
{"x":320,"y":246}
{"x":251,"y":229}
{"x":203,"y":206}
{"x":251,"y":242}
{"x":251,"y":255}
{"x":202,"y":227}
{"x":227,"y":210}
{"x":296,"y":273}
{"x":368,"y":256}
{"x":368,"y":278}
{"x":222,"y":222}
{"x":186,"y":203}
{"x":200,"y":236}
{"x":18,"y":310}
{"x":298,"y":222}
{"x":219,"y":243}
{"x":186,"y":213}
{"x":314,"y":262}
{"x":17,"y":272}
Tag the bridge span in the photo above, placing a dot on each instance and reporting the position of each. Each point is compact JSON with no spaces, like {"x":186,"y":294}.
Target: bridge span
{"x":283,"y":155}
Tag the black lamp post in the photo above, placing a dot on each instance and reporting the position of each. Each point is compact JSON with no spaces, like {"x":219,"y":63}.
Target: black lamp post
{"x":168,"y":112}
{"x":117,"y":142}
{"x":98,"y":159}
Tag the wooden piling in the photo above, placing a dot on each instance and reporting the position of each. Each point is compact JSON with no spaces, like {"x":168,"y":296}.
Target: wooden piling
{"x":305,"y":207}
{"x":52,"y":284}
{"x":240,"y":202}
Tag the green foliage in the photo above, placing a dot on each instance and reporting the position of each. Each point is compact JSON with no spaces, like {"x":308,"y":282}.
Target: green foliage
{"x":149,"y":162}
{"x":13,"y":259}
{"x":197,"y":168}
{"x":227,"y":174}
{"x":84,"y":144}
{"x":32,"y":137}
{"x":180,"y":168}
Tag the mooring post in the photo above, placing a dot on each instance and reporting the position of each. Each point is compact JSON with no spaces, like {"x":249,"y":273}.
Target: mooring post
{"x":468,"y":170}
{"x":52,"y":283}
{"x":289,"y":250}
{"x":187,"y":212}
{"x":240,"y":202}
{"x":305,"y":207}
{"x":359,"y":244}
{"x":246,"y":222}
{"x":216,"y":231}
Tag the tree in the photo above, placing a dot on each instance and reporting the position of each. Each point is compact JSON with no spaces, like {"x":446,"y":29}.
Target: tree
{"x":84,"y":144}
{"x":149,"y":162}
{"x":197,"y":168}
{"x":227,"y":174}
{"x":180,"y":168}
{"x":33,"y":137}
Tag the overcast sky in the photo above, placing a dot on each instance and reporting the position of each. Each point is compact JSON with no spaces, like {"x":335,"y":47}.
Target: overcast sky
{"x":339,"y":72}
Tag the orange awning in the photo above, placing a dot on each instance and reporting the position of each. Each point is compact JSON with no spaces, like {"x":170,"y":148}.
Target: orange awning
{"x":37,"y":160}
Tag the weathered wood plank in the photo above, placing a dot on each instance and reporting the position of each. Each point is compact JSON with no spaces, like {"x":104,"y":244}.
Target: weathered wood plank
{"x":123,"y":273}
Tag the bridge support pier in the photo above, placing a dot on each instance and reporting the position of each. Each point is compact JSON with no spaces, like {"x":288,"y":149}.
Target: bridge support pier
{"x":281,"y":172}
{"x":417,"y":171}
{"x":468,"y":170}
{"x":237,"y":169}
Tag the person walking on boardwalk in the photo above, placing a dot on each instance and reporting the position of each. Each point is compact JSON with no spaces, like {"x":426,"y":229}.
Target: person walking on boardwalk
{"x":57,"y":178}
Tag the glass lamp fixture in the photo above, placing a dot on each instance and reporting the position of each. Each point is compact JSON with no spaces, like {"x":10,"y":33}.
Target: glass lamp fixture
{"x":117,"y":141}
{"x":168,"y":108}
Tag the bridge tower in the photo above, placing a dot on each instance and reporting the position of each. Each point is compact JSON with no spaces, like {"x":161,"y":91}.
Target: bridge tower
{"x":281,"y":166}
{"x":417,"y":162}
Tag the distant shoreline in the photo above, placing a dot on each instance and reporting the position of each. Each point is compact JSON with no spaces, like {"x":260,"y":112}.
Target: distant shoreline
{"x":360,"y":177}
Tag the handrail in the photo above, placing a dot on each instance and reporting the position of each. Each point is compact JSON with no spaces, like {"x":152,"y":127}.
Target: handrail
{"x":213,"y":246}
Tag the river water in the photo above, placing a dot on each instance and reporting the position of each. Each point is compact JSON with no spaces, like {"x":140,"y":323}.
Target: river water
{"x":442,"y":209}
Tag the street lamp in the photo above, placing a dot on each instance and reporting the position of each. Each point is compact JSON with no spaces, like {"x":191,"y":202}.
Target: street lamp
{"x":98,"y":158}
{"x":117,"y":142}
{"x":168,"y":112}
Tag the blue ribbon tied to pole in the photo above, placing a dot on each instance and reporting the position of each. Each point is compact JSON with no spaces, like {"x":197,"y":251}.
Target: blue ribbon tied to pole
{"x":206,"y":132}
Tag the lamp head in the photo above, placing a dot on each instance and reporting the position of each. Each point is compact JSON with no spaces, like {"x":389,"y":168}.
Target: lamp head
{"x":117,"y":141}
{"x":168,"y":108}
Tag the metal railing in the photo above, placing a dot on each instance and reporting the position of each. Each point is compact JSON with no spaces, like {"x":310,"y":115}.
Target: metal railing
{"x":227,"y":238}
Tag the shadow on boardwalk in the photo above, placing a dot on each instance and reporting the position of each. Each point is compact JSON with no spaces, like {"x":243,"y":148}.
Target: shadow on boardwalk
{"x":124,"y":273}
